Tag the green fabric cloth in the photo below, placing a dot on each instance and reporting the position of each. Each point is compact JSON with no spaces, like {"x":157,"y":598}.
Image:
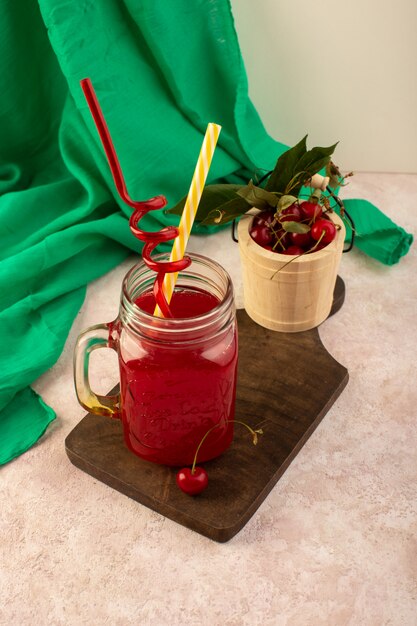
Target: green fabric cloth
{"x":161,"y":71}
{"x":375,"y":233}
{"x":62,"y":222}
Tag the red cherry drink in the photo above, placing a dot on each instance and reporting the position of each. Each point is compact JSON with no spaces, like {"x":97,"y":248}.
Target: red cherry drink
{"x":172,"y":392}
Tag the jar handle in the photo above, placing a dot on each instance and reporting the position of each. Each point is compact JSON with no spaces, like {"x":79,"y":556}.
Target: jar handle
{"x":91,"y":339}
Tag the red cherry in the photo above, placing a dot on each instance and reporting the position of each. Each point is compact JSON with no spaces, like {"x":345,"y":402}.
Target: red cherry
{"x":303,"y":240}
{"x":192,"y":484}
{"x":293,"y":250}
{"x":263,"y":219}
{"x":325,"y":226}
{"x":261,"y":235}
{"x":310,"y":210}
{"x":291,"y":214}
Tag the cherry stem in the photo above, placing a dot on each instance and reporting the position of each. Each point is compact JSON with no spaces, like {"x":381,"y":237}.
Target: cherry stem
{"x":285,"y":265}
{"x":279,"y":242}
{"x":294,"y":182}
{"x":323,"y":232}
{"x":288,"y":215}
{"x":253,"y":432}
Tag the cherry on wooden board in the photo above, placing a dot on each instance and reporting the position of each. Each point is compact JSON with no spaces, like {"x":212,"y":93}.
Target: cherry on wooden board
{"x":190,"y":482}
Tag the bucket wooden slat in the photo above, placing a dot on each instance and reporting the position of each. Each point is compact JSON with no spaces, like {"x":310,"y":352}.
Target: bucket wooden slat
{"x":283,"y":296}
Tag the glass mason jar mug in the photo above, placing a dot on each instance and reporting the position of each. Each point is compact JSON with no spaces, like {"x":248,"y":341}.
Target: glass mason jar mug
{"x":177,"y":375}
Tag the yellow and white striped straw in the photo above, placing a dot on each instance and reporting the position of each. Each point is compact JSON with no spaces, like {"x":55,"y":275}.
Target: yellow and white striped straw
{"x":190,"y":207}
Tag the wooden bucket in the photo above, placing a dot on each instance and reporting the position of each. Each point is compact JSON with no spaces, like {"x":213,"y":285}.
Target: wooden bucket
{"x":288,"y":297}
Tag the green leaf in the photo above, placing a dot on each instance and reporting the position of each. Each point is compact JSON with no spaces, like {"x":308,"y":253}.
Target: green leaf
{"x":296,"y":166}
{"x":286,"y":167}
{"x":226,"y":212}
{"x":286,"y":201}
{"x":315,"y":159}
{"x":295,"y":227}
{"x":213,"y":197}
{"x":258,"y":197}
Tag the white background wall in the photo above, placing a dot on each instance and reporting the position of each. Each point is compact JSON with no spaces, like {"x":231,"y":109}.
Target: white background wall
{"x":338,"y":71}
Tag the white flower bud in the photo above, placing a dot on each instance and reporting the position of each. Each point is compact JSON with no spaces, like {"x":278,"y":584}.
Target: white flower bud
{"x":319,"y":182}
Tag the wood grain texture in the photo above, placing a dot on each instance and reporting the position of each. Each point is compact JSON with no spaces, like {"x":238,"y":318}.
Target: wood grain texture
{"x":286,"y":402}
{"x":286,"y":293}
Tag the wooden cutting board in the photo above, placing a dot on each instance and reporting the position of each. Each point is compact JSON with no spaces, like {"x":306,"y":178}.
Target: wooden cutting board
{"x":286,"y":384}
